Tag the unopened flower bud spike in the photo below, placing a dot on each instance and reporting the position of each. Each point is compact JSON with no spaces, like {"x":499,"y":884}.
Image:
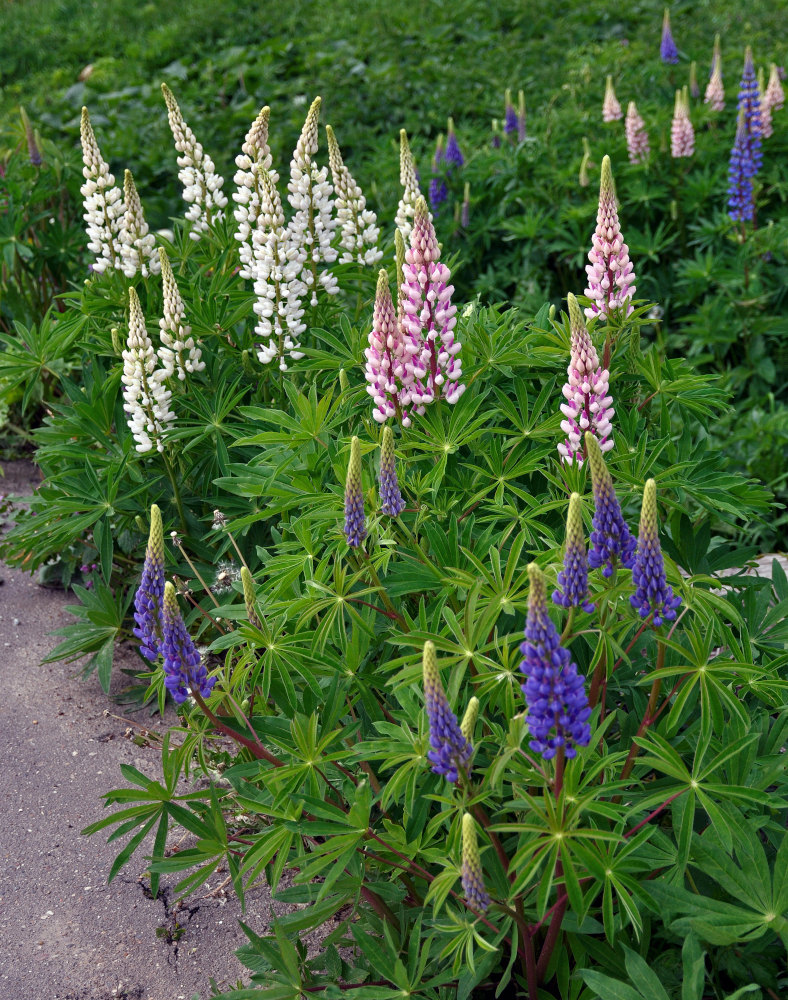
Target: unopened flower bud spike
{"x":476,"y":895}
{"x":250,"y":597}
{"x":391,"y":501}
{"x":355,"y":523}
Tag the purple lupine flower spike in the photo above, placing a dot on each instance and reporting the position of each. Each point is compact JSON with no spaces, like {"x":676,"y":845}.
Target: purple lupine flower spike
{"x":554,"y":691}
{"x":450,"y":752}
{"x":611,"y":539}
{"x":510,"y":115}
{"x":391,"y":501}
{"x":183,"y":666}
{"x":150,"y":593}
{"x":610,"y":273}
{"x":653,"y":595}
{"x":740,"y":173}
{"x":454,"y":157}
{"x":355,"y":526}
{"x":667,"y":49}
{"x":588,"y":403}
{"x":476,"y":895}
{"x":439,"y":192}
{"x":573,"y":578}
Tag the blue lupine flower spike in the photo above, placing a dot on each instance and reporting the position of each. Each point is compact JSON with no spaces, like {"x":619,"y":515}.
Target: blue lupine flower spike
{"x":454,"y":157}
{"x":746,"y":155}
{"x":510,"y":115}
{"x":573,"y":579}
{"x":653,"y":595}
{"x":611,"y":539}
{"x":148,"y":599}
{"x":667,"y":49}
{"x":183,"y":667}
{"x":472,"y":876}
{"x":391,"y":501}
{"x":355,"y":527}
{"x":555,"y":693}
{"x":439,"y":192}
{"x":450,"y":752}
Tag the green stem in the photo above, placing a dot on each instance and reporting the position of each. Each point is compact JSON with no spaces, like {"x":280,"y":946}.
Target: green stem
{"x":568,"y":627}
{"x":382,"y":591}
{"x":176,"y":494}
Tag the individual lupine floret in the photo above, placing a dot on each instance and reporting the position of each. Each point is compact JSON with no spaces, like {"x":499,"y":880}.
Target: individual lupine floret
{"x":450,"y":752}
{"x":667,"y":49}
{"x":694,"y":89}
{"x":178,"y":352}
{"x":358,"y":225}
{"x":313,"y":225}
{"x":429,"y":318}
{"x":472,"y":876}
{"x":611,"y":539}
{"x":276,"y":269}
{"x":510,"y":115}
{"x":715,"y":91}
{"x":637,"y":136}
{"x":741,"y":170}
{"x":355,"y":524}
{"x":611,"y":109}
{"x":150,"y":593}
{"x":773,"y":96}
{"x":521,"y":117}
{"x":555,"y":693}
{"x":610,"y":273}
{"x":387,"y":370}
{"x":391,"y":501}
{"x":588,"y":403}
{"x":136,"y":242}
{"x":146,"y":399}
{"x":682,"y":134}
{"x":654,"y":596}
{"x":454,"y":157}
{"x":202,"y":186}
{"x":184,"y":670}
{"x":766,"y":112}
{"x":253,"y":160}
{"x":104,"y":208}
{"x":410,"y":188}
{"x":573,"y":578}
{"x":439,"y":192}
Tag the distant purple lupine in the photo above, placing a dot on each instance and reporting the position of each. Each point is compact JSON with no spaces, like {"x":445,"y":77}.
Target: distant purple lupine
{"x":510,"y":115}
{"x":454,"y":157}
{"x":746,"y":155}
{"x":438,"y":189}
{"x":667,"y":49}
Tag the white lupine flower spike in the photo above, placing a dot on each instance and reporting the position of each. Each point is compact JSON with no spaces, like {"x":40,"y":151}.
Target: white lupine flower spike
{"x":146,"y":399}
{"x":358,"y":224}
{"x":138,"y":253}
{"x":277,"y":267}
{"x":410,"y":188}
{"x":104,"y":207}
{"x":178,"y":352}
{"x":313,"y":224}
{"x":202,"y":186}
{"x":253,"y":160}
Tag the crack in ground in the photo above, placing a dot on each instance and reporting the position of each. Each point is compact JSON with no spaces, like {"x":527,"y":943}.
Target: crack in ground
{"x":174,"y":925}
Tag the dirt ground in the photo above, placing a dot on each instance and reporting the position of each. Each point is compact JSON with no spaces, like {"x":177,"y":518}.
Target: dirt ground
{"x":64,"y":933}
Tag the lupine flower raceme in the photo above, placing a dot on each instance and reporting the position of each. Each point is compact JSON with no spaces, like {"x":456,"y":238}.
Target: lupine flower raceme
{"x":450,"y":752}
{"x":438,"y":191}
{"x":358,"y":225}
{"x":682,"y":134}
{"x":355,"y":524}
{"x":611,"y":109}
{"x":313,"y":224}
{"x":587,"y":406}
{"x":611,"y":540}
{"x":469,"y":719}
{"x":773,"y":96}
{"x":33,"y":150}
{"x":572,"y":589}
{"x":454,"y":157}
{"x":429,"y":318}
{"x":184,"y":672}
{"x":410,"y":187}
{"x":766,"y":112}
{"x":103,"y":202}
{"x":472,"y":876}
{"x":391,"y":501}
{"x":253,"y":161}
{"x":750,"y":103}
{"x":741,"y":170}
{"x":202,"y":186}
{"x":509,"y":115}
{"x":654,"y":596}
{"x":136,"y":243}
{"x":668,"y":52}
{"x":178,"y":352}
{"x":250,"y":597}
{"x":150,"y":593}
{"x":715,"y":91}
{"x":610,"y":273}
{"x":637,"y":136}
{"x":146,"y":399}
{"x":694,"y":89}
{"x":555,"y":694}
{"x":387,"y":369}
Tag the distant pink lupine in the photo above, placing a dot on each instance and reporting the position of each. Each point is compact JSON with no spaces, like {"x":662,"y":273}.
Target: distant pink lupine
{"x":637,"y":136}
{"x":766,"y":112}
{"x":773,"y":96}
{"x":715,"y":92}
{"x":429,"y":318}
{"x":611,"y":109}
{"x":588,"y":403}
{"x":682,"y":134}
{"x":610,"y":272}
{"x":386,"y":369}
